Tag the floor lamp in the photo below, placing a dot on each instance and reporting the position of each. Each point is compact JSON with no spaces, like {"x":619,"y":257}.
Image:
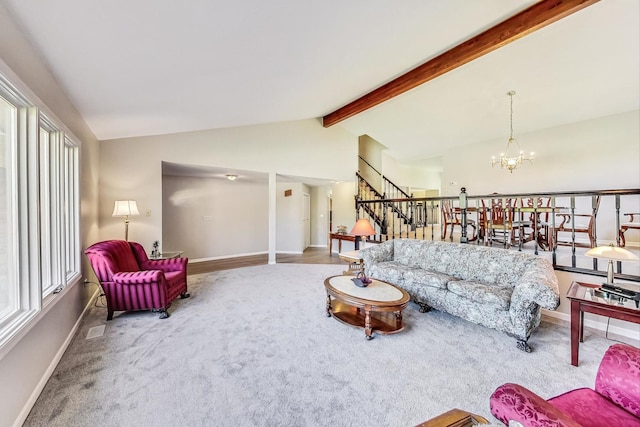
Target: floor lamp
{"x":125,"y":208}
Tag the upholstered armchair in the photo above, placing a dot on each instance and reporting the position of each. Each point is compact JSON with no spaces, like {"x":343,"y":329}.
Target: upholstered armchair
{"x":614,"y":402}
{"x":131,"y":281}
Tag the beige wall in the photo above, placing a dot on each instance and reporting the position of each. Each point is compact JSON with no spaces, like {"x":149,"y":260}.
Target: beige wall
{"x":598,"y":154}
{"x":131,"y":168}
{"x":409,"y":177}
{"x":26,"y":366}
{"x":197,"y":214}
{"x":371,"y":151}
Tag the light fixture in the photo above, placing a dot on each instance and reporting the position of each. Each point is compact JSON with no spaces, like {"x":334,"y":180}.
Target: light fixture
{"x":125,"y":208}
{"x":363,"y":228}
{"x":231,"y":177}
{"x":611,"y":253}
{"x":508,"y":160}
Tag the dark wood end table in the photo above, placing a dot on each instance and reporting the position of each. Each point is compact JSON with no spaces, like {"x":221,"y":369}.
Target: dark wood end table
{"x":454,"y":418}
{"x":166,"y":255}
{"x":588,"y":298}
{"x":340,"y":237}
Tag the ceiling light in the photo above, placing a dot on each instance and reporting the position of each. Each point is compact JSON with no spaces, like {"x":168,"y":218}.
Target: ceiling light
{"x":231,"y":177}
{"x":509,"y":161}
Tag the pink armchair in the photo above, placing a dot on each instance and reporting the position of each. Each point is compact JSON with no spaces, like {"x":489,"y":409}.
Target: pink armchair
{"x":614,"y":402}
{"x":131,"y":281}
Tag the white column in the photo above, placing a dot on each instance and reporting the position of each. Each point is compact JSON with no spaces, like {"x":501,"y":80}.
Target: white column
{"x":272,"y":217}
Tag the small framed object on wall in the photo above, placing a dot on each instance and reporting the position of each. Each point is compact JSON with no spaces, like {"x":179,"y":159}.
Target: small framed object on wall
{"x":287,"y":193}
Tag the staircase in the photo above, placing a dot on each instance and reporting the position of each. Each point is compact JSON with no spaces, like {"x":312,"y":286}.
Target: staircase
{"x":395,"y":213}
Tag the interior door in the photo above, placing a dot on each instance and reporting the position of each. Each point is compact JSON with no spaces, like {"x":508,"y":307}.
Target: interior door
{"x":306,"y":220}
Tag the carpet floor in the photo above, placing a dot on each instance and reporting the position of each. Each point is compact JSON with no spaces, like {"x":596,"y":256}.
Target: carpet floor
{"x":253,"y":347}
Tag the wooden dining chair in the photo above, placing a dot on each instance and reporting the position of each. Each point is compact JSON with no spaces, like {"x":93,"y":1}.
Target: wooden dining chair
{"x":576,"y":223}
{"x":451,"y":218}
{"x":501,"y":224}
{"x":539,"y":228}
{"x":630,"y":224}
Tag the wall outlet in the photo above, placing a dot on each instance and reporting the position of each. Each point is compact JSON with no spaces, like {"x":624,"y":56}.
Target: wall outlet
{"x":207,"y":218}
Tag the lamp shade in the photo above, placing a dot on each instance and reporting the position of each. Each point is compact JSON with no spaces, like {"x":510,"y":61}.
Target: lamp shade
{"x":611,"y":252}
{"x":125,"y":208}
{"x":363,"y":228}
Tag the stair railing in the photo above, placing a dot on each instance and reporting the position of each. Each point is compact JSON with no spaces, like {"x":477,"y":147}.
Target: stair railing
{"x":613,"y":205}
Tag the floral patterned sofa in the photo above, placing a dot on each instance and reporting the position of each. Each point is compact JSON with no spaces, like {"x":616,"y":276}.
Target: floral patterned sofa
{"x":498,"y":288}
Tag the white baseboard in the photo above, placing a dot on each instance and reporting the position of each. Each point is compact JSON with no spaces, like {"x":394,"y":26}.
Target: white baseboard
{"x":214,"y":258}
{"x":22,"y":416}
{"x":600,"y":326}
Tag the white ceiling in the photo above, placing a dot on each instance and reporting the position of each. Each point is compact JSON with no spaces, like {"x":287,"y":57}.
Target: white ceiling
{"x":151,"y":67}
{"x":215,"y":172}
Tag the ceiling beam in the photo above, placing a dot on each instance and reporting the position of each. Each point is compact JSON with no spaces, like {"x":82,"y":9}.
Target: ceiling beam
{"x":529,"y":20}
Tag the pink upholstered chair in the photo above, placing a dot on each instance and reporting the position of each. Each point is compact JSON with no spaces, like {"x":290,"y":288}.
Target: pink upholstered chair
{"x":614,"y":402}
{"x":131,"y":281}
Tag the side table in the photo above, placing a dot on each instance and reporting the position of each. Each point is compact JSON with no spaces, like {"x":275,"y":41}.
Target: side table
{"x":354,"y":259}
{"x":588,"y":298}
{"x":340,"y":237}
{"x":454,"y":418}
{"x":167,"y":255}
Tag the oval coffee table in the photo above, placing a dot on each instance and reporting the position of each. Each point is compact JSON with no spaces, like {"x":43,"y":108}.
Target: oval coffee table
{"x":376,"y":308}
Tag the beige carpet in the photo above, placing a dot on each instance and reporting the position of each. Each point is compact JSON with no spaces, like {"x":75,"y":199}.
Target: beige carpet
{"x":253,"y":347}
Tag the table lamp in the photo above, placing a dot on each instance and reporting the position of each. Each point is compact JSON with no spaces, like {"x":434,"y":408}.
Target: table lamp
{"x":611,"y":253}
{"x":125,"y":208}
{"x":363,"y":228}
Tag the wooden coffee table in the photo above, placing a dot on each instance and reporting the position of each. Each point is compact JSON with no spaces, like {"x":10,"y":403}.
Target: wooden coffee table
{"x":376,"y":308}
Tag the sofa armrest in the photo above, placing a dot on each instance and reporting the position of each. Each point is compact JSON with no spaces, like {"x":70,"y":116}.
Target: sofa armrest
{"x":377,"y":253}
{"x":618,"y":377}
{"x":139,"y":277}
{"x":515,"y":402}
{"x":539,"y":285}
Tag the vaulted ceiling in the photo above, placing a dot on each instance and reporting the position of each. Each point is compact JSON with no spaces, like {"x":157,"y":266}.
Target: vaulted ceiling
{"x":154,"y":67}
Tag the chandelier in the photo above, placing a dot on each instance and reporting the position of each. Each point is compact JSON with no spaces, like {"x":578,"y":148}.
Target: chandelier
{"x":509,"y":160}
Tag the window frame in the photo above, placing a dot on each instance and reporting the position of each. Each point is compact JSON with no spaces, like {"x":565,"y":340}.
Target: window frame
{"x":43,"y":210}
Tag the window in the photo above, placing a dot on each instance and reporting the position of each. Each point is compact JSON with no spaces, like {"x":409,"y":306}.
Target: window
{"x":39,"y":208}
{"x":57,"y":167}
{"x":70,"y":207}
{"x":8,"y":283}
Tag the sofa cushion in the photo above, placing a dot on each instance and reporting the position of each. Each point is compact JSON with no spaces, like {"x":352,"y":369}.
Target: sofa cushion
{"x":498,"y":296}
{"x":387,"y":271}
{"x":590,"y":409}
{"x":409,"y":252}
{"x":496,"y":265}
{"x":446,"y":258}
{"x":427,"y":278}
